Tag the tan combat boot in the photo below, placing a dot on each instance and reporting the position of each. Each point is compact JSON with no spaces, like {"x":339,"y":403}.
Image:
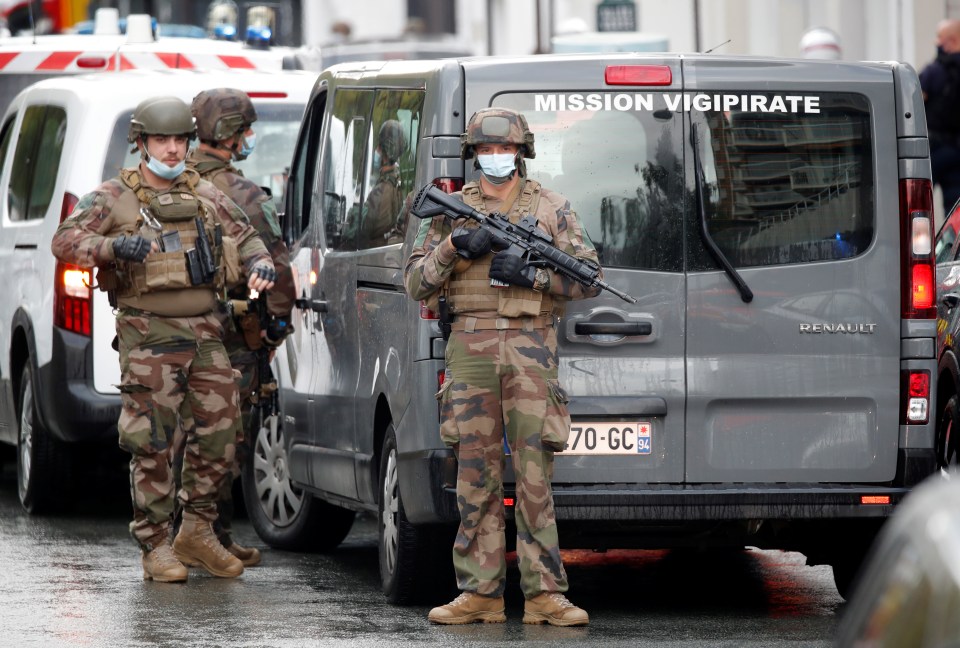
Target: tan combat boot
{"x":197,"y":546}
{"x":469,"y":608}
{"x":161,"y":565}
{"x":555,"y":609}
{"x":249,"y":556}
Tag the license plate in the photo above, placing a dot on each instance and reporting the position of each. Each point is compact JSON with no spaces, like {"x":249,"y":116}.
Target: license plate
{"x":609,"y":438}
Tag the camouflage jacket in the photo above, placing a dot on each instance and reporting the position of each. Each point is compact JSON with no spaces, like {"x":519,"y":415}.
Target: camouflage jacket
{"x":86,"y":237}
{"x":260,"y":209}
{"x":379,"y":213}
{"x":434,"y":256}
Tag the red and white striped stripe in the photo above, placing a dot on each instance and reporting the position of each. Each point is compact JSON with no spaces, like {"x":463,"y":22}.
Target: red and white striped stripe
{"x":92,"y":61}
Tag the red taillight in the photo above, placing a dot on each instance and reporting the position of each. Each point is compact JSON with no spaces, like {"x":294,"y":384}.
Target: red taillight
{"x":441,"y":378}
{"x":267,"y":95}
{"x":642,"y":75}
{"x":426,"y":313}
{"x":448,"y":185}
{"x":91,"y":62}
{"x":67,"y":206}
{"x":875,"y":499}
{"x":508,"y":501}
{"x":916,"y":397}
{"x":917,"y":276}
{"x":72,"y":298}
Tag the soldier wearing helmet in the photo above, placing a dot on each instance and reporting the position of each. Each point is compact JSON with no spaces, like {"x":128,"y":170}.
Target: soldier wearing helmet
{"x":144,"y":231}
{"x":501,"y":373}
{"x":224,"y":119}
{"x":385,"y":199}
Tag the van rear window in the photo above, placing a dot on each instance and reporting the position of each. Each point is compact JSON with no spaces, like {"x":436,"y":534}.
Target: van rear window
{"x":781,"y":187}
{"x":788,"y":187}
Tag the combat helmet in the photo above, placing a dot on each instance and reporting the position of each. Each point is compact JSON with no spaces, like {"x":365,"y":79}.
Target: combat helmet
{"x":161,"y":116}
{"x":497,"y":126}
{"x":222,"y":113}
{"x":392,"y":140}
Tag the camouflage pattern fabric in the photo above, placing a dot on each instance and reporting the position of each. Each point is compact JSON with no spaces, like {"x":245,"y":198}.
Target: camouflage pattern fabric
{"x":433,"y":257}
{"x":501,"y":381}
{"x":262,"y":215}
{"x":173,"y":370}
{"x":221,"y":113}
{"x":496,"y":381}
{"x":497,"y":126}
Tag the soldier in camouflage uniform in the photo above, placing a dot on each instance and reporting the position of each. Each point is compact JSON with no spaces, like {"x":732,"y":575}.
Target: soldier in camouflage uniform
{"x":143,"y":231}
{"x":224,"y":118}
{"x":501,"y":374}
{"x":385,"y":199}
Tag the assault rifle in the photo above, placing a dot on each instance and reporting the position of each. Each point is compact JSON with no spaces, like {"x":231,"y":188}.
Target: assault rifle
{"x":523,"y":239}
{"x":265,"y":391}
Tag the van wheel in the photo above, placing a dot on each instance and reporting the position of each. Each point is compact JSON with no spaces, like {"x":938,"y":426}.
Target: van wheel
{"x":947,"y":431}
{"x":845,"y":575}
{"x":283,"y":515}
{"x":42,"y":466}
{"x":415,"y":561}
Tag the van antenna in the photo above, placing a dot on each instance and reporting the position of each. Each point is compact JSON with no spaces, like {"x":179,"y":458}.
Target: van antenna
{"x":718,"y":46}
{"x":33,"y":23}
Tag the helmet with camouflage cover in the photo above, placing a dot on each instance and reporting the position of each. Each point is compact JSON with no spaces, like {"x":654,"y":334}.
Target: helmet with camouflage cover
{"x":161,"y":116}
{"x":497,"y":126}
{"x":392,"y":140}
{"x":222,"y":113}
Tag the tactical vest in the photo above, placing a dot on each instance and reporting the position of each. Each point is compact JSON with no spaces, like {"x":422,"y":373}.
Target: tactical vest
{"x":470,"y":291}
{"x":161,"y":284}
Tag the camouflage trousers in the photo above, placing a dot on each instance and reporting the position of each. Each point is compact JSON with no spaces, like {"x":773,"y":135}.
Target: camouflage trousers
{"x":174,"y":371}
{"x":244,"y":361}
{"x":500,"y":381}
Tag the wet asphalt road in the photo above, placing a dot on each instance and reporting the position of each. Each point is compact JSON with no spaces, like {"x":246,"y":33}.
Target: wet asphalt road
{"x":75,"y":580}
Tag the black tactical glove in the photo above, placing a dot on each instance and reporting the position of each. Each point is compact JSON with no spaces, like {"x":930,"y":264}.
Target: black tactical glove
{"x":131,"y":248}
{"x":472,"y":243}
{"x":511,"y":269}
{"x":278,"y":329}
{"x":265,"y":272}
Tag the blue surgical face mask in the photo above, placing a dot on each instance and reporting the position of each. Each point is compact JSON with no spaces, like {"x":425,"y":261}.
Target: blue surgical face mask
{"x":498,"y":167}
{"x":246,"y":146}
{"x":164,"y":171}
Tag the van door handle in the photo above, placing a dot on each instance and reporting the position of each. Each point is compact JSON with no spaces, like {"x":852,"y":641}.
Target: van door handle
{"x":318,"y":306}
{"x":950,"y":300}
{"x":613,"y":328}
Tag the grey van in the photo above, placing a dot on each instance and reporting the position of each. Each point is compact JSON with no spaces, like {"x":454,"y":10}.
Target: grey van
{"x":775,"y":384}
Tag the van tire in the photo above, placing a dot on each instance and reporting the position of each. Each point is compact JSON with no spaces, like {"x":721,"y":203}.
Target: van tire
{"x":282,"y":515}
{"x":947,"y":430}
{"x":43,"y":469}
{"x":415,"y":561}
{"x":845,"y":572}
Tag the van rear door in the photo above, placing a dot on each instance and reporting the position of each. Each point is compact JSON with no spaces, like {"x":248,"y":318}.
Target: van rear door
{"x":615,"y":152}
{"x":795,"y":377}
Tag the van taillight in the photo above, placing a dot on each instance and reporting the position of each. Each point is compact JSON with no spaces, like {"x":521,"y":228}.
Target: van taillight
{"x":72,"y":298}
{"x":915,"y":386}
{"x":426,"y":313}
{"x":67,"y":206}
{"x":917,"y":275}
{"x":448,"y":185}
{"x":642,"y":75}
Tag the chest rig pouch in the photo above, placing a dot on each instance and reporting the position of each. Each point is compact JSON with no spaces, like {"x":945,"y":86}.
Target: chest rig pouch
{"x":471,"y":290}
{"x":190,"y":242}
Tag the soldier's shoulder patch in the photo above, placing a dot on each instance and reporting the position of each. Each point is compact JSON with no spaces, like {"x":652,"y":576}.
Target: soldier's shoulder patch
{"x":422,"y":232}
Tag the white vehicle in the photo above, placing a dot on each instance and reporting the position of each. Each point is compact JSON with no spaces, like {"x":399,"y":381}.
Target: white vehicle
{"x":28,"y":59}
{"x":60,"y":139}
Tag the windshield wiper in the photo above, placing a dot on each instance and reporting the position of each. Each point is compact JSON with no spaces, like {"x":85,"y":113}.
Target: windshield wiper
{"x":745,"y":293}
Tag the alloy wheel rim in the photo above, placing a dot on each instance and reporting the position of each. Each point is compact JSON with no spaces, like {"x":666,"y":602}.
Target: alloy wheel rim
{"x":279,"y":500}
{"x":391,"y":510}
{"x":26,"y":439}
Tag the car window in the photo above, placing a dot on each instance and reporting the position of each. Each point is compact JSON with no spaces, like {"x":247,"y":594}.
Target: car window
{"x":301,"y":182}
{"x":12,"y":84}
{"x":47,"y":165}
{"x":391,"y":165}
{"x":787,"y":187}
{"x":947,"y":237}
{"x":345,"y":149}
{"x":621,"y":172}
{"x":6,"y":134}
{"x":36,"y":162}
